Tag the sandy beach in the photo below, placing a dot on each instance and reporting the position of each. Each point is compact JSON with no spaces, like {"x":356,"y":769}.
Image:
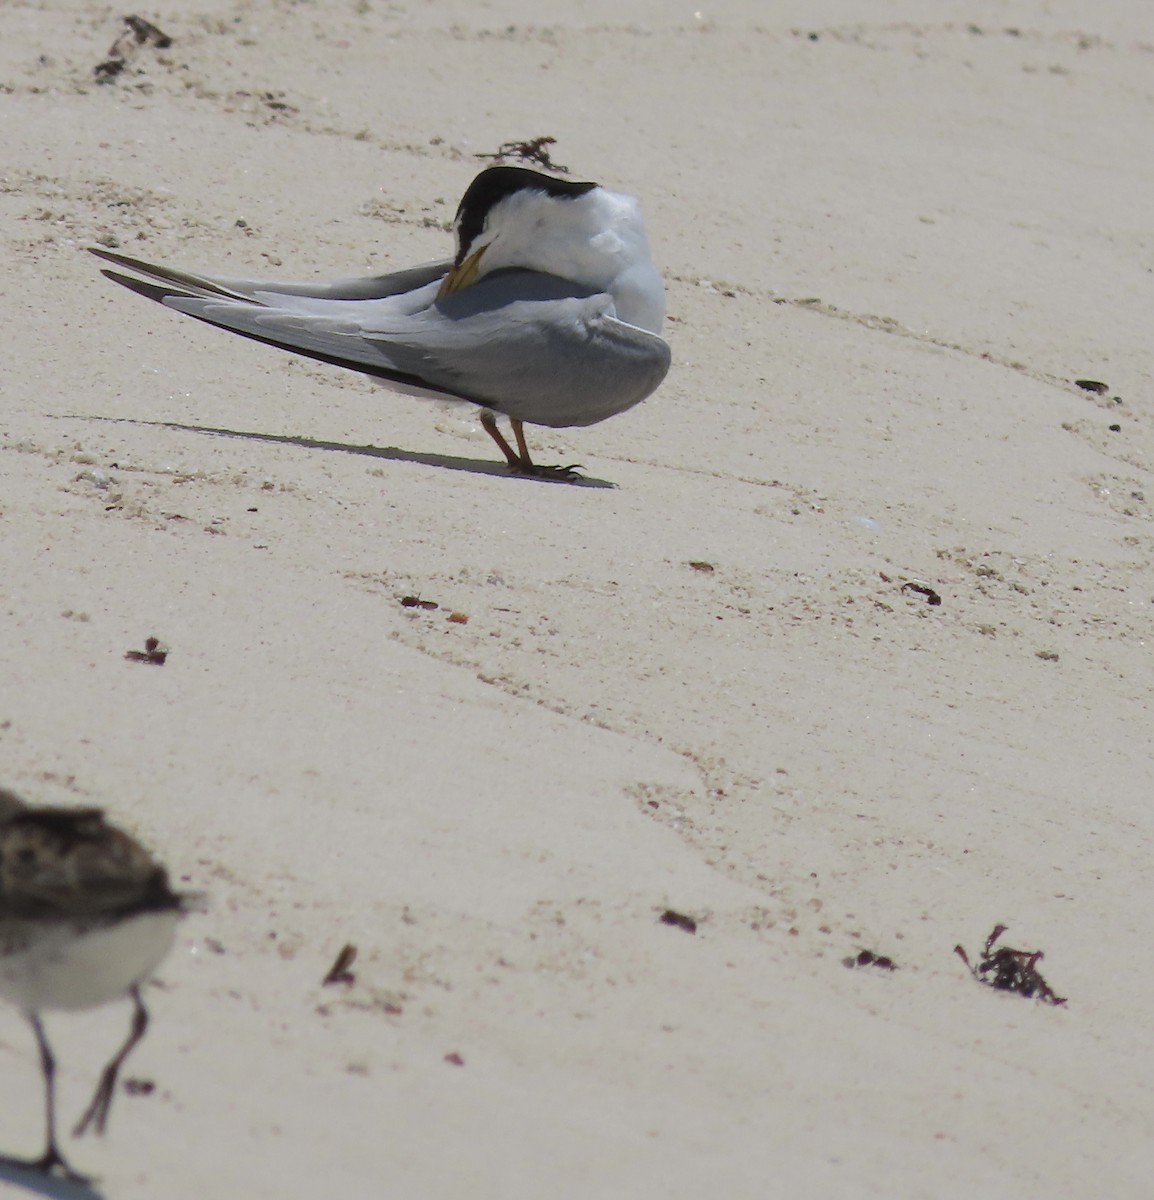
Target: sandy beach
{"x":842,"y":649}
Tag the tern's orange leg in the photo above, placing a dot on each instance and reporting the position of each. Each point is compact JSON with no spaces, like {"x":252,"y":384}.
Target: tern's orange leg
{"x":519,"y":460}
{"x":489,"y":423}
{"x":519,"y":434}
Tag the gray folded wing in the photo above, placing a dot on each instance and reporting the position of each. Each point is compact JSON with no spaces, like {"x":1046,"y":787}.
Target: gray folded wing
{"x":371,"y":287}
{"x":529,"y":345}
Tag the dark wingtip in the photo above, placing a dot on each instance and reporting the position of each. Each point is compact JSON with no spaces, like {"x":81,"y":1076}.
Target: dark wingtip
{"x":154,"y":291}
{"x":121,"y":260}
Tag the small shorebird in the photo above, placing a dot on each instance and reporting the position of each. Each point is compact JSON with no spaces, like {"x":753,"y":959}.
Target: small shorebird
{"x":549,"y":313}
{"x":86,"y":914}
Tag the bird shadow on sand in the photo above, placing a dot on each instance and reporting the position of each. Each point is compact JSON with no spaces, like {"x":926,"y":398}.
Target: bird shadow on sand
{"x":448,"y":462}
{"x":18,"y":1174}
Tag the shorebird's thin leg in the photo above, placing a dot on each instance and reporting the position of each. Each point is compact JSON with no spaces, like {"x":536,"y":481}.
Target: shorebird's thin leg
{"x":489,"y":423}
{"x":522,"y":445}
{"x":527,"y":466}
{"x":519,"y":461}
{"x":97,"y":1112}
{"x":51,"y":1157}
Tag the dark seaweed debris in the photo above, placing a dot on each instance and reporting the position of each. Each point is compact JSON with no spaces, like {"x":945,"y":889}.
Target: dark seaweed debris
{"x":678,"y":920}
{"x":339,"y":972}
{"x":532,"y":150}
{"x":933,"y":598}
{"x":1010,"y":970}
{"x":137,"y":32}
{"x":867,"y":958}
{"x":155,"y":653}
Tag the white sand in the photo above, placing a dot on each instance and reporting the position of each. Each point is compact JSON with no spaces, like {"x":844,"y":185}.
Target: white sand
{"x":889,"y":251}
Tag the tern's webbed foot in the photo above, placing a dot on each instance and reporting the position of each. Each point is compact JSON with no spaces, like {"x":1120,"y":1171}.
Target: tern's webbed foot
{"x":519,"y":461}
{"x":561,"y":474}
{"x":52,"y":1162}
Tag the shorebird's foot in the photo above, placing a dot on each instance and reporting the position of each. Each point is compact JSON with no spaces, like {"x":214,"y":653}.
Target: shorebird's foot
{"x":535,"y":471}
{"x":519,"y":460}
{"x":51,"y":1162}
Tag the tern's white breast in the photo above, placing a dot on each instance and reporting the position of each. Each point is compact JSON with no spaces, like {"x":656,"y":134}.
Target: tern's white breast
{"x":75,"y":964}
{"x":597,"y":240}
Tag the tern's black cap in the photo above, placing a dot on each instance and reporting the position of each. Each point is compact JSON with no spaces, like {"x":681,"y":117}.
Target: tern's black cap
{"x":493,"y":185}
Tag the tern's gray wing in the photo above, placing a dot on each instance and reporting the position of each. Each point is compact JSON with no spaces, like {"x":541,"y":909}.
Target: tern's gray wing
{"x":529,"y":345}
{"x":371,"y":287}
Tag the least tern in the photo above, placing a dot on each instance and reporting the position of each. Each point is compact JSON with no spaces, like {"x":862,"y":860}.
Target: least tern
{"x":86,"y":915}
{"x":549,"y":313}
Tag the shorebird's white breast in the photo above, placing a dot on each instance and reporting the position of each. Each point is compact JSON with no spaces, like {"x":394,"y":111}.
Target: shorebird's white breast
{"x":70,"y":964}
{"x":597,"y":240}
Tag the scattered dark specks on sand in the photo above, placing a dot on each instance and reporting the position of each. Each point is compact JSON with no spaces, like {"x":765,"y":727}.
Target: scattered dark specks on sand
{"x":155,"y":652}
{"x":678,"y":921}
{"x":276,"y":102}
{"x":139,"y":1087}
{"x":706,"y":568}
{"x":867,"y":958}
{"x":417,"y":602}
{"x":339,"y":972}
{"x":454,"y":1059}
{"x":932,"y":598}
{"x":1009,"y":970}
{"x":1093,"y":385}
